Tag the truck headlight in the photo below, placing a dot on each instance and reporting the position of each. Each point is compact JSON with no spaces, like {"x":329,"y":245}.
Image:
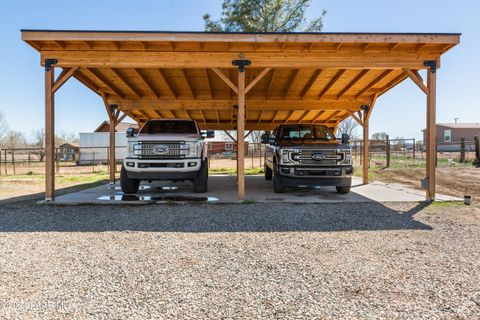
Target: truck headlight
{"x":347,"y":156}
{"x":194,"y":149}
{"x":134,"y":150}
{"x":285,"y":156}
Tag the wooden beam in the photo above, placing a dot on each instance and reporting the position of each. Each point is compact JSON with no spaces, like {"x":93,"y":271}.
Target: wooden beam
{"x":366,"y":159}
{"x":209,"y":84}
{"x":189,"y":85}
{"x":146,"y":82}
{"x":311,"y":82}
{"x":432,"y":134}
{"x":257,"y":79}
{"x":119,"y":119}
{"x":111,"y":151}
{"x":355,"y":80}
{"x":417,"y":79}
{"x":357,"y":119}
{"x":241,"y":137}
{"x":63,"y":78}
{"x":291,"y":81}
{"x":230,"y":136}
{"x":371,"y":106}
{"x":225,"y":79}
{"x":374,"y":82}
{"x":260,"y":116}
{"x":333,"y":115}
{"x":270,"y":84}
{"x":125,"y":83}
{"x":318,"y":116}
{"x":49,"y":135}
{"x":226,"y":104}
{"x":332,"y":82}
{"x":167,"y":84}
{"x":104,"y":81}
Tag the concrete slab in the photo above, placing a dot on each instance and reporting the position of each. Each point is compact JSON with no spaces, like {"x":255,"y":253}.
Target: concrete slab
{"x":222,"y":189}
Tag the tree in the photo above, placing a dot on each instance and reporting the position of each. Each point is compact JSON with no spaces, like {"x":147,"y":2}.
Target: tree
{"x":39,"y":143}
{"x":348,"y":126}
{"x":3,"y":127}
{"x":14,"y":139}
{"x":379,"y":136}
{"x":264,"y":16}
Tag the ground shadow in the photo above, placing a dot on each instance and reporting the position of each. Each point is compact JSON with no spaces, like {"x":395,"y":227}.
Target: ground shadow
{"x":256,"y":217}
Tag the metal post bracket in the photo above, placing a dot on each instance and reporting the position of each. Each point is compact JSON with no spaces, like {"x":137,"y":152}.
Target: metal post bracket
{"x":241,"y":64}
{"x":432,"y":64}
{"x":49,"y":63}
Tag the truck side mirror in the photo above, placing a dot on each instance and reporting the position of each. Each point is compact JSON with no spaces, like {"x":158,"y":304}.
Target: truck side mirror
{"x":208,"y":134}
{"x":265,"y":138}
{"x":345,"y":138}
{"x":130,"y":132}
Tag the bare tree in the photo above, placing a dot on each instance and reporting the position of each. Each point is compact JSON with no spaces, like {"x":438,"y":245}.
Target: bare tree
{"x":348,"y":126}
{"x":14,"y":139}
{"x":39,"y":143}
{"x":3,"y":127}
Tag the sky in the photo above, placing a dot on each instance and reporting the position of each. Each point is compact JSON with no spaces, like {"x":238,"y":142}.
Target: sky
{"x":400,"y":112}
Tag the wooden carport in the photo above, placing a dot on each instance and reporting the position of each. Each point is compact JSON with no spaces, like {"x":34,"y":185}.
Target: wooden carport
{"x":239,"y":81}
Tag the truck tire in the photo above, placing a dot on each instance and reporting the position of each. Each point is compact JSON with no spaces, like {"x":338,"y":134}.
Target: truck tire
{"x":277,"y":182}
{"x":200,"y":183}
{"x":268,"y":172}
{"x":128,"y":185}
{"x":343,"y":190}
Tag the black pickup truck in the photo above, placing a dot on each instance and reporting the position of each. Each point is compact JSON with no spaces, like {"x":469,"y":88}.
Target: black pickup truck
{"x":307,"y":155}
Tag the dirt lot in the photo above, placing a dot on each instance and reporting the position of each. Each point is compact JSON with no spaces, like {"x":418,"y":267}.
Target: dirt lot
{"x":341,"y":261}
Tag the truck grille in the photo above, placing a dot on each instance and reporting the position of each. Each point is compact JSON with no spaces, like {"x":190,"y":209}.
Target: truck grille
{"x":307,"y":157}
{"x":164,"y":150}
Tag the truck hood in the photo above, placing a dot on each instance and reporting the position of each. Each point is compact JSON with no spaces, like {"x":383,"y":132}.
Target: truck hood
{"x":167,"y":137}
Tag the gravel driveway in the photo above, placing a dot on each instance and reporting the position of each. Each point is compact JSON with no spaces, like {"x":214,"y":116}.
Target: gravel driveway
{"x":362,"y":261}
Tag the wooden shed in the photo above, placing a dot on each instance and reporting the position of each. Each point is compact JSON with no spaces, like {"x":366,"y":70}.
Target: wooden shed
{"x":240,"y":81}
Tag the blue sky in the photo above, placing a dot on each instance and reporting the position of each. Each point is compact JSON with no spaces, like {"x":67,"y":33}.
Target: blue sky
{"x":400,"y":112}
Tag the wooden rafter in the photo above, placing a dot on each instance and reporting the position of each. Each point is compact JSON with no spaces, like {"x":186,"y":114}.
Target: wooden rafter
{"x":260,"y":116}
{"x":374,"y":82}
{"x":311,"y":82}
{"x":104,"y":81}
{"x":352,"y":83}
{"x":333,"y":115}
{"x":165,"y":81}
{"x":270,"y":84}
{"x":291,"y":81}
{"x":125,"y":83}
{"x":209,"y":84}
{"x":146,"y":82}
{"x":188,"y":84}
{"x":331,"y":83}
{"x":318,"y":116}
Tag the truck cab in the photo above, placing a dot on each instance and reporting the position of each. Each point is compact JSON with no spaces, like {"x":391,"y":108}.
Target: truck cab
{"x":166,"y":149}
{"x":307,"y":155}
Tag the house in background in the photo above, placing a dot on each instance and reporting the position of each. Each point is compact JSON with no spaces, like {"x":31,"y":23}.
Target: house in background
{"x":450,"y":134}
{"x":68,"y":152}
{"x":94,"y":145}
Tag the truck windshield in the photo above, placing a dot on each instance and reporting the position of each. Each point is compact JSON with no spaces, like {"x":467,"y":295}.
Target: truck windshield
{"x":167,"y":126}
{"x":305,"y":132}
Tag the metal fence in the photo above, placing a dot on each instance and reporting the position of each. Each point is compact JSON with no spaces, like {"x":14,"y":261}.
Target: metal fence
{"x":222,"y":156}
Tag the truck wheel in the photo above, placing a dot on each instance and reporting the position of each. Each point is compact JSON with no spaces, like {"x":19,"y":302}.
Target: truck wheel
{"x":200,"y":183}
{"x":277,"y":183}
{"x":268,"y":172}
{"x":128,"y":185}
{"x":343,"y":190}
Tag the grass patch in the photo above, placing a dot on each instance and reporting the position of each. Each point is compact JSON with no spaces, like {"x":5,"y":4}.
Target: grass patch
{"x":233,"y":171}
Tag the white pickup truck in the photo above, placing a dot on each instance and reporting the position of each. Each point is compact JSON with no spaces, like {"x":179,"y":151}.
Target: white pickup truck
{"x":166,"y":149}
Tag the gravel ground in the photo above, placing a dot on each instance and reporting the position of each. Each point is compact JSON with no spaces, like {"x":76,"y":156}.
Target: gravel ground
{"x":330,"y":261}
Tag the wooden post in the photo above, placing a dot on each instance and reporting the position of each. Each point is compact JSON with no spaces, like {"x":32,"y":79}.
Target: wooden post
{"x":477,"y":150}
{"x":0,"y":162}
{"x":111,"y":157}
{"x":57,"y":161}
{"x":414,"y":147}
{"x":431,"y":130}
{"x":49,"y":131}
{"x":462,"y":150}
{"x":13,"y":162}
{"x":365,"y":148}
{"x":387,"y":150}
{"x":241,"y":135}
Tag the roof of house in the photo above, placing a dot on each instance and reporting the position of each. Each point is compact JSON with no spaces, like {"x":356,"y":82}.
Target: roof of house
{"x":121,"y":127}
{"x":460,"y":125}
{"x":69,"y":145}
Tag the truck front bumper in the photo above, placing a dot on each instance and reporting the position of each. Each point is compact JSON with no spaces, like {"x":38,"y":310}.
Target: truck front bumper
{"x":339,"y":176}
{"x":162,"y":169}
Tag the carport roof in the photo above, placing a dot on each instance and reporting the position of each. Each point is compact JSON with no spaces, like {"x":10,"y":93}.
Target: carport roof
{"x":308,"y":77}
